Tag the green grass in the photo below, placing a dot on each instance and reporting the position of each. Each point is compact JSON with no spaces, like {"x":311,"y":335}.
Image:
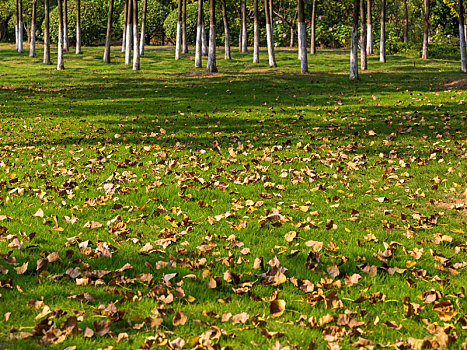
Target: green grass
{"x":181,"y":147}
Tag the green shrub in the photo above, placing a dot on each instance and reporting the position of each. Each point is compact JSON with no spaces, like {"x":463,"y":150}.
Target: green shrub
{"x":94,"y":15}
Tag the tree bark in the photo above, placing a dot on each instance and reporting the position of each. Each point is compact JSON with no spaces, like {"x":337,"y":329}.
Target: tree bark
{"x":16,"y":24}
{"x":269,"y":33}
{"x":426,"y":30}
{"x":204,"y":40}
{"x":178,"y":40}
{"x":136,"y":56}
{"x":369,"y":29}
{"x":199,"y":37}
{"x":462,"y":36}
{"x":129,"y":33}
{"x":78,"y":27}
{"x":363,"y":58}
{"x":184,"y":37}
{"x":108,"y":35}
{"x":60,"y":62}
{"x":211,"y":66}
{"x":46,"y":33}
{"x":354,"y":43}
{"x":32,"y":46}
{"x":244,"y":28}
{"x":256,"y":33}
{"x":20,"y":26}
{"x":313,"y":29}
{"x":302,"y":37}
{"x":406,"y":23}
{"x":66,"y":41}
{"x":227,"y":55}
{"x":382,"y":43}
{"x":125,"y":24}
{"x":143,"y":28}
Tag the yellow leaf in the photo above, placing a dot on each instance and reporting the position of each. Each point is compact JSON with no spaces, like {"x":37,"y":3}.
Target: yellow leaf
{"x":277,"y":307}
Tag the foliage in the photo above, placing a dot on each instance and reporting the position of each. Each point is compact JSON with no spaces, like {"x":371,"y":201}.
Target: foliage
{"x":94,"y":14}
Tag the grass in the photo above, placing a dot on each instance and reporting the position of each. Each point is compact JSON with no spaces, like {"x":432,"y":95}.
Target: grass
{"x":202,"y":166}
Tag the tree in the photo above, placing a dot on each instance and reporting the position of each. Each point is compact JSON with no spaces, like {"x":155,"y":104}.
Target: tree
{"x":369,"y":29}
{"x":353,"y":43}
{"x":226,"y":31}
{"x":313,"y":29}
{"x":184,"y":36}
{"x":66,"y":41}
{"x":60,"y":61}
{"x":32,"y":47}
{"x":406,"y":23}
{"x":269,"y":33}
{"x":78,"y":27}
{"x":211,"y":66}
{"x":20,"y":26}
{"x":129,"y":32}
{"x":46,"y":33}
{"x":244,"y":33}
{"x":382,"y":42}
{"x":136,"y":58}
{"x":363,"y":57}
{"x":106,"y":58}
{"x":462,"y":36}
{"x":426,"y":31}
{"x":199,"y":37}
{"x":125,"y":25}
{"x":143,"y":27}
{"x":204,"y":40}
{"x":178,"y":44}
{"x":256,"y":33}
{"x":303,"y":52}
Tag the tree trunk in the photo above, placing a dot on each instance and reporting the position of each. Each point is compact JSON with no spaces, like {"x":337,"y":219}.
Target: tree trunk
{"x":178,"y":40}
{"x":244,"y":28}
{"x":32,"y":46}
{"x":129,"y":33}
{"x":204,"y":40}
{"x":226,"y":31}
{"x":16,"y":24}
{"x":269,"y":34}
{"x":363,"y":58}
{"x":313,"y":29}
{"x":406,"y":23}
{"x":354,"y":43}
{"x":462,"y":36}
{"x":382,"y":43}
{"x":184,"y":36}
{"x":369,"y":29}
{"x":136,"y":56}
{"x":256,"y":34}
{"x":125,"y":24}
{"x":108,"y":35}
{"x":211,"y":66}
{"x":66,"y":41}
{"x":143,"y":28}
{"x":199,"y":37}
{"x":46,"y":33}
{"x":302,"y":37}
{"x":78,"y":27}
{"x":60,"y":62}
{"x":240,"y":35}
{"x":426,"y":31}
{"x":20,"y":26}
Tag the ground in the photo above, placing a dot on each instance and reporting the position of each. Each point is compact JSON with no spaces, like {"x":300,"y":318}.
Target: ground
{"x":251,"y":208}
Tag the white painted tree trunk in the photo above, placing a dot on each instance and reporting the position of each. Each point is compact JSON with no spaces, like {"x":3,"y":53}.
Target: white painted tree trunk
{"x":256,"y":34}
{"x":60,"y":61}
{"x":204,"y":41}
{"x":46,"y":59}
{"x":354,"y":43}
{"x":212,"y":65}
{"x":32,"y":46}
{"x":78,"y":28}
{"x":426,"y":30}
{"x":270,"y":41}
{"x":66,"y":41}
{"x":303,"y":47}
{"x":299,"y":43}
{"x":227,"y":55}
{"x":462,"y":36}
{"x":125,"y":23}
{"x":136,"y":56}
{"x":199,"y":49}
{"x":363,"y":57}
{"x":20,"y":37}
{"x":244,"y":28}
{"x":369,"y":30}
{"x":382,"y":42}
{"x":143,"y":28}
{"x":178,"y":42}
{"x":128,"y":43}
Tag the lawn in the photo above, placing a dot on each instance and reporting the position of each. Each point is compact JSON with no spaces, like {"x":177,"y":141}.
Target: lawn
{"x":252,"y":208}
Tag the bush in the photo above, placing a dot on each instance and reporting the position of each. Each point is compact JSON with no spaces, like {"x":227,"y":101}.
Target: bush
{"x":94,"y":15}
{"x":170,"y":23}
